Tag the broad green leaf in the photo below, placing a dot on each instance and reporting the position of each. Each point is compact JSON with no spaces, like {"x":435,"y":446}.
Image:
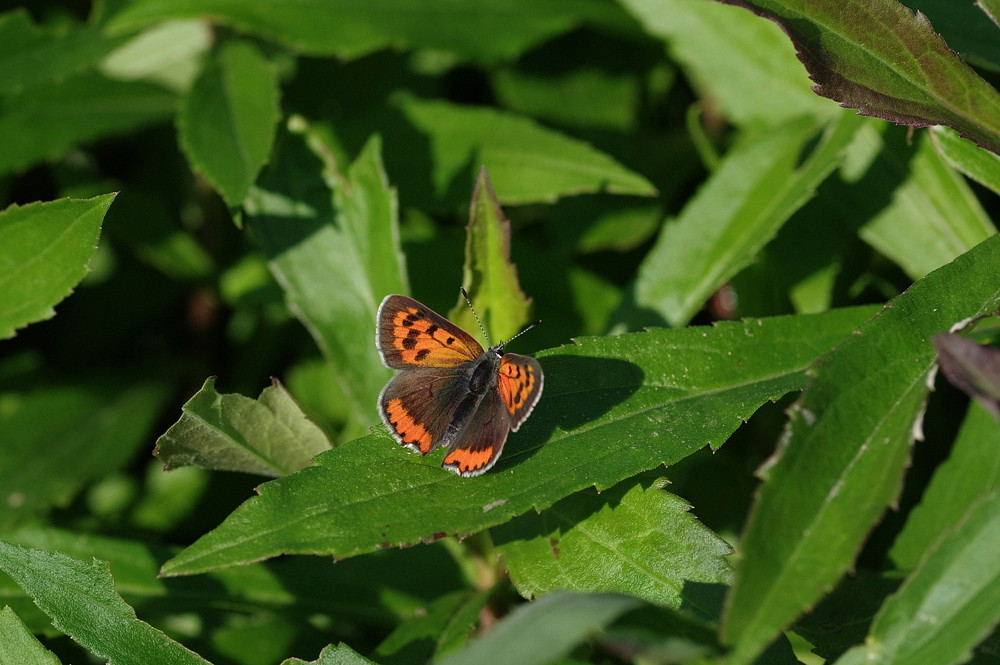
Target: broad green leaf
{"x":629,"y":539}
{"x":978,"y":164}
{"x":227,"y":120}
{"x":746,"y":66}
{"x":991,"y":8}
{"x":544,"y":630}
{"x":18,"y":645}
{"x":971,"y":470}
{"x":44,"y":252}
{"x":612,"y":407}
{"x":488,"y":30}
{"x":880,"y":58}
{"x":756,"y":188}
{"x":57,"y":439}
{"x":269,"y":436}
{"x":443,"y":628}
{"x":81,"y":600}
{"x":43,"y":122}
{"x":966,"y":28}
{"x":32,"y":55}
{"x":948,"y":604}
{"x":933,"y":216}
{"x":339,"y":654}
{"x":528,"y":163}
{"x":489,"y":276}
{"x":335,"y":254}
{"x":170,"y":54}
{"x":841,"y":461}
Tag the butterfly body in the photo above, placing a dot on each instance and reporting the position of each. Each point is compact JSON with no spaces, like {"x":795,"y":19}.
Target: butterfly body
{"x":449,"y":391}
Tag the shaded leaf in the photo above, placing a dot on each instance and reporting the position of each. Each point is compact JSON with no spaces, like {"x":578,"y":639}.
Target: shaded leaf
{"x":880,"y":58}
{"x":80,"y":599}
{"x":335,"y":254}
{"x":972,"y":368}
{"x":488,"y":275}
{"x":842,"y":458}
{"x":270,"y":435}
{"x":661,"y":395}
{"x":544,"y":630}
{"x":948,"y":604}
{"x":339,"y":654}
{"x":226,"y":122}
{"x":756,"y":188}
{"x":18,"y":645}
{"x":980,"y":165}
{"x":443,"y":628}
{"x":44,"y":252}
{"x":971,"y":470}
{"x":629,"y":539}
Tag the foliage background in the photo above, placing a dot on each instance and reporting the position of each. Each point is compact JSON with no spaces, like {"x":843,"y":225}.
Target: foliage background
{"x":279,"y":169}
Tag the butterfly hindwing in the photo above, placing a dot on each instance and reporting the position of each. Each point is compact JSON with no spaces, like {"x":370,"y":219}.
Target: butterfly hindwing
{"x":479,"y":445}
{"x":520,"y":386}
{"x":409,"y":334}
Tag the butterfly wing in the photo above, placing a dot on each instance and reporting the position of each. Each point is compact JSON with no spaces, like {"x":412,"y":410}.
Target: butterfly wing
{"x":417,"y":405}
{"x":479,"y":445}
{"x":409,"y":334}
{"x":520,"y":386}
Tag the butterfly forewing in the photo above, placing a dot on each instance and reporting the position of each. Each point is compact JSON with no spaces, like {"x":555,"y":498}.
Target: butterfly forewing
{"x":410,"y":334}
{"x":418,"y":405}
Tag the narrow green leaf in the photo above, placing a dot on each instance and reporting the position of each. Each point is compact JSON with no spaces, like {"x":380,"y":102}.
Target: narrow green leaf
{"x":443,"y":628}
{"x":949,"y":603}
{"x":227,"y":120}
{"x":991,"y":8}
{"x":488,"y":30}
{"x":339,"y":654}
{"x":44,"y":252}
{"x":18,"y":646}
{"x":971,"y":470}
{"x":744,"y":65}
{"x":848,"y":442}
{"x":612,"y":407}
{"x":629,"y":539}
{"x":270,"y":435}
{"x":80,"y":599}
{"x":171,"y":54}
{"x":879,"y":57}
{"x":57,"y":439}
{"x":756,"y":188}
{"x":335,"y":254}
{"x":488,"y":275}
{"x":933,"y":217}
{"x":43,"y":122}
{"x":527,"y":162}
{"x":544,"y":630}
{"x":980,"y":165}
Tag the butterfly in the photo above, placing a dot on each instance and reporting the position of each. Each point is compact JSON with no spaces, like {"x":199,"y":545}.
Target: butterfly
{"x":450,"y":392}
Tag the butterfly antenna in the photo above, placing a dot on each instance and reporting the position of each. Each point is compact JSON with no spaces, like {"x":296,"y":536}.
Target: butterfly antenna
{"x":530,"y":326}
{"x":486,"y":335}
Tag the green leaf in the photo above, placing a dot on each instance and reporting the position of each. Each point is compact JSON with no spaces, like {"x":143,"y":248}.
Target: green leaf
{"x":31,"y":55}
{"x":991,"y":8}
{"x":842,"y":459}
{"x":336,"y":255}
{"x":742,"y":64}
{"x":339,"y":654}
{"x":18,"y":645}
{"x":443,"y":628}
{"x":227,"y":120}
{"x":612,"y":407}
{"x":488,"y":30}
{"x":879,"y":57}
{"x":756,"y":188}
{"x":978,"y":164}
{"x":269,"y":436}
{"x":528,"y":163}
{"x":933,"y":217}
{"x":489,"y":275}
{"x":948,"y":605}
{"x":629,"y":539}
{"x":43,"y":122}
{"x":544,"y":630}
{"x":57,"y":439}
{"x":966,"y":28}
{"x":80,"y":599}
{"x":44,"y":252}
{"x":971,"y":470}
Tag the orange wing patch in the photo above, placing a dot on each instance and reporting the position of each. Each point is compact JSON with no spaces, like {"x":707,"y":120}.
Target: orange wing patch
{"x":422,"y":342}
{"x":465,"y":460}
{"x":410,"y":432}
{"x":520,"y":385}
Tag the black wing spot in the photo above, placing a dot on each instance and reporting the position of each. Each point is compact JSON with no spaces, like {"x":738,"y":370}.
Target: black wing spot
{"x":409,"y":343}
{"x":421,"y":354}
